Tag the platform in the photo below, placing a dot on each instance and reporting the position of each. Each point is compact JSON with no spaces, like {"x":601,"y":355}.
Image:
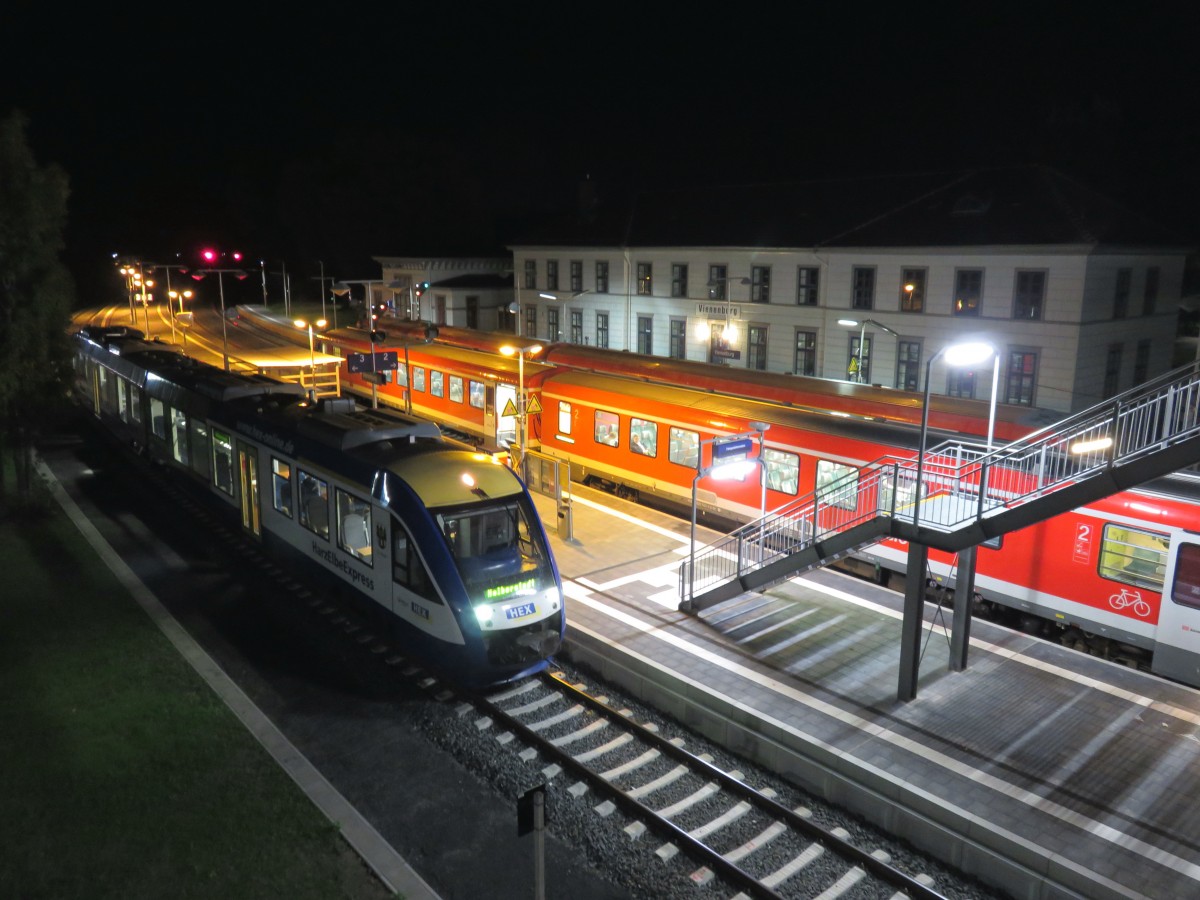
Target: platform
{"x":1049,"y":772}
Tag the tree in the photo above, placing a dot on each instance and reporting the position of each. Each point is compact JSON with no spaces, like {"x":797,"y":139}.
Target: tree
{"x":36,"y":297}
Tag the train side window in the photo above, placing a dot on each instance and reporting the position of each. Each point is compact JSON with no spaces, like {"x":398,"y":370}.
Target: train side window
{"x":401,"y":375}
{"x":837,"y":484}
{"x":158,"y":418}
{"x":179,"y":425}
{"x":1133,"y":556}
{"x":783,"y":471}
{"x":281,"y":485}
{"x":314,"y":503}
{"x":435,"y":384}
{"x":477,"y":393}
{"x":456,"y":389}
{"x":354,"y":525}
{"x":684,"y":447}
{"x":643,"y":437}
{"x":418,"y":373}
{"x":606,"y":428}
{"x":564,"y":417}
{"x":135,"y":405}
{"x":1185,"y":589}
{"x":222,"y":447}
{"x":408,"y":569}
{"x":123,"y":400}
{"x":200,"y":448}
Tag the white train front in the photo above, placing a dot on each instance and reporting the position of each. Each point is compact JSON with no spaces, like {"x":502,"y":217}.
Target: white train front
{"x":441,"y":542}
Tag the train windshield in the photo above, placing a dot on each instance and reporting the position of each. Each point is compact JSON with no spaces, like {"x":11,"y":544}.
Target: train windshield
{"x":497,"y":543}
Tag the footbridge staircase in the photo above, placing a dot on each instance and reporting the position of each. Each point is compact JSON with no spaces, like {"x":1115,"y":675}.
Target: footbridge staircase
{"x":958,"y":495}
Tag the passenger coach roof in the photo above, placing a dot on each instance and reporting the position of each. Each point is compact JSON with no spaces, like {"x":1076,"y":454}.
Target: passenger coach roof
{"x":630,"y":393}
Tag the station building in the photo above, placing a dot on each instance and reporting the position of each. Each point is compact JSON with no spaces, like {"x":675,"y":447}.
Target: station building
{"x":861,"y":279}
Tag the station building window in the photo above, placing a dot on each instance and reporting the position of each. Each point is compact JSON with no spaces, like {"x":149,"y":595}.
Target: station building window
{"x":1133,"y":556}
{"x":314,"y":503}
{"x":281,"y":486}
{"x":354,"y":525}
{"x":684,"y":447}
{"x":837,"y":484}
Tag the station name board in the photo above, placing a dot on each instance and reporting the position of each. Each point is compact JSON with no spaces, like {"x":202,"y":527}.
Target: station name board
{"x":724,"y":310}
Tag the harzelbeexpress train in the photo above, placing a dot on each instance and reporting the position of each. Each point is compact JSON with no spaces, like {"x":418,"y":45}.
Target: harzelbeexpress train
{"x":439,"y":541}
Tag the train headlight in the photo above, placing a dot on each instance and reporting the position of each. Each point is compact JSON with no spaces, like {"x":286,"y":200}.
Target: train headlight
{"x":484,"y":614}
{"x":553,"y":597}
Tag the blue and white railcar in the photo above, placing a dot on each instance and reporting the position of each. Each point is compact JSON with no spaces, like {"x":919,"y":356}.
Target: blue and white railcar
{"x":441,"y":542}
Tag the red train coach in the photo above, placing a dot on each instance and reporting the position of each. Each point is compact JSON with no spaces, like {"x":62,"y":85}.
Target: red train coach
{"x":1093,"y":578}
{"x":872,"y":401}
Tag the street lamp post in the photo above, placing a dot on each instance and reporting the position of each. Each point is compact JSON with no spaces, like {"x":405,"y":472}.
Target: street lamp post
{"x":522,"y":418}
{"x":180,"y":296}
{"x":312,"y":354}
{"x":862,"y":336}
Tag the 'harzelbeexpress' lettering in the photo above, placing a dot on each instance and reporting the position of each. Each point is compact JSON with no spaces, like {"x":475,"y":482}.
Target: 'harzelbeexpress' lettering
{"x":507,"y":590}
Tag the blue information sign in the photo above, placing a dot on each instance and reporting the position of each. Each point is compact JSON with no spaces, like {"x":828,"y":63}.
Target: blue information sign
{"x":384,"y":359}
{"x":740,"y":447}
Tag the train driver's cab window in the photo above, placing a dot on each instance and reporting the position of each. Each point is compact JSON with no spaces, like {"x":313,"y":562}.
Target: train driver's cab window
{"x":643,"y":437}
{"x":456,"y":389}
{"x":564,"y":418}
{"x":281,"y":486}
{"x":1133,"y":556}
{"x":179,"y":428}
{"x":684,"y":447}
{"x":783,"y":471}
{"x":222,"y":447}
{"x":837,"y":484}
{"x":354,"y":525}
{"x":158,"y":418}
{"x":418,"y":378}
{"x":314,"y":503}
{"x":435,"y":384}
{"x":477,"y":393}
{"x":408,"y":569}
{"x":1185,"y":589}
{"x":606,"y":428}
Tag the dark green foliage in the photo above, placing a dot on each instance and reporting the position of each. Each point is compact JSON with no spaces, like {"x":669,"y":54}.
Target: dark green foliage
{"x":36,"y":296}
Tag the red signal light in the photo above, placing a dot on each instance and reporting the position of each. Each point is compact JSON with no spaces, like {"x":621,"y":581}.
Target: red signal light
{"x":208,"y":255}
{"x":237,"y":257}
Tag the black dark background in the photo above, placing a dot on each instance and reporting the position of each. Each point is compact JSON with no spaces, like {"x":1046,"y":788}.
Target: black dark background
{"x":331,"y":135}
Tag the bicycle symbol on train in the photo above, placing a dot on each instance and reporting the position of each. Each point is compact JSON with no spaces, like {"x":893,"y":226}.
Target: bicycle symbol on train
{"x":1128,"y":597}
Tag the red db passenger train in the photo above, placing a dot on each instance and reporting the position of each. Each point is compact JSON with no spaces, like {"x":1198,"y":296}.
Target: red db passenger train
{"x":1119,"y":578}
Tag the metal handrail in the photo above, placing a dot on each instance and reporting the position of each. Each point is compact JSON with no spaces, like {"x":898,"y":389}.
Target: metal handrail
{"x":961,"y":482}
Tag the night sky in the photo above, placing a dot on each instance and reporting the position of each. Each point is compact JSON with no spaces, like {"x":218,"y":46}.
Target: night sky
{"x":294,"y":136}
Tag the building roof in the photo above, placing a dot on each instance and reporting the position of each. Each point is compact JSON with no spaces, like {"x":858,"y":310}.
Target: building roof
{"x":477,"y":281}
{"x":1011,"y":206}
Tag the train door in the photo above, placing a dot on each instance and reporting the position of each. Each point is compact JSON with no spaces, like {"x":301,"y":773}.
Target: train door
{"x":506,"y":421}
{"x":489,"y":413}
{"x":1177,"y":639}
{"x":248,"y":479}
{"x":97,"y":384}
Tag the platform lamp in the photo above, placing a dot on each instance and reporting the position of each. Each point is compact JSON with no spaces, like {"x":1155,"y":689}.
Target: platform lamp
{"x":862,"y":335}
{"x":967,"y":353}
{"x":522,"y":418}
{"x":722,"y":284}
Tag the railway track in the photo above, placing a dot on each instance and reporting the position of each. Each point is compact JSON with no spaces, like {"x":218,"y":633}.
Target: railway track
{"x":727,"y":829}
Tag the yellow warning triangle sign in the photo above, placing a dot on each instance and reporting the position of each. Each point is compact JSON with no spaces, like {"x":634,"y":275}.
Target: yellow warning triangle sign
{"x":510,"y":408}
{"x":533,"y":406}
